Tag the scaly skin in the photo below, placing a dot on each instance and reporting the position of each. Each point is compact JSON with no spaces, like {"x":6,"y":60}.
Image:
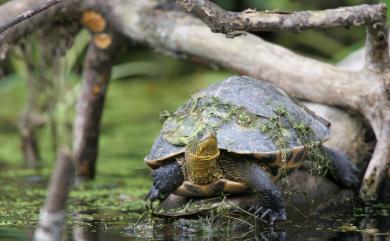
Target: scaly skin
{"x":201,"y":159}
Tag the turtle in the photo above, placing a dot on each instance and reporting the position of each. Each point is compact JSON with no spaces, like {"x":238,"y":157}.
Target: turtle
{"x":237,"y":136}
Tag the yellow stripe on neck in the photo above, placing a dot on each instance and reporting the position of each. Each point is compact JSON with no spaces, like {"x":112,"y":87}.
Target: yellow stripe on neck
{"x":203,"y":158}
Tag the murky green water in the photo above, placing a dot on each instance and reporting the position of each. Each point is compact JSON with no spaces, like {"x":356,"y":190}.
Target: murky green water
{"x":112,"y":206}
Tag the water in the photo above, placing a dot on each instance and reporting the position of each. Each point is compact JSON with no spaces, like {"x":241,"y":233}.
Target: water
{"x":310,"y":229}
{"x":112,"y":207}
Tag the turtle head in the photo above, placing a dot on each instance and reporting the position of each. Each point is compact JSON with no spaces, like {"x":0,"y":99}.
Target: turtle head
{"x":204,"y":145}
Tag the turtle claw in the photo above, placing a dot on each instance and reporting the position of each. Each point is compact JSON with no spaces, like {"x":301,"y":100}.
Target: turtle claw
{"x":153,"y":194}
{"x":267,"y":214}
{"x":258,"y":211}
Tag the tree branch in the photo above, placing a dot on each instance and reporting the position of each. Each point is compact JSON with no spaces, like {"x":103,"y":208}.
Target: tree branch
{"x":182,"y":35}
{"x":374,"y":16}
{"x":66,"y":9}
{"x":378,"y":167}
{"x":101,"y":54}
{"x":377,"y":45}
{"x":222,"y":21}
{"x":27,"y":14}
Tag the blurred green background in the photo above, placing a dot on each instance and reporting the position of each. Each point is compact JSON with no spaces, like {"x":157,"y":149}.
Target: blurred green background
{"x":144,"y":84}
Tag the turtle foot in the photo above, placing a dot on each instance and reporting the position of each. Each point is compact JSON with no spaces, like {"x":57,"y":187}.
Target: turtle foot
{"x":267,"y":214}
{"x":166,"y":179}
{"x":154,"y":194}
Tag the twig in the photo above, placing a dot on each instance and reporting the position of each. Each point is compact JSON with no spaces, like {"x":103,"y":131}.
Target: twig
{"x":28,"y":14}
{"x":299,"y":211}
{"x":240,"y":220}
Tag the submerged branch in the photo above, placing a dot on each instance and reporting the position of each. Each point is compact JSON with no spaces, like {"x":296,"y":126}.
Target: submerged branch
{"x":52,"y":215}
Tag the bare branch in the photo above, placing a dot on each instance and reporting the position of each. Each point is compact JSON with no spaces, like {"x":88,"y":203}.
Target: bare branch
{"x":68,"y":9}
{"x":374,"y":16}
{"x":181,"y":34}
{"x":222,"y":21}
{"x":27,"y":14}
{"x":101,"y":54}
{"x":378,"y":167}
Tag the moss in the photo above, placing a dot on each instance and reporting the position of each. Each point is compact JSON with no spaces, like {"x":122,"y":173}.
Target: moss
{"x":204,"y":112}
{"x":320,"y":160}
{"x":278,"y":132}
{"x":315,"y":151}
{"x":164,"y":116}
{"x":275,"y":129}
{"x":278,"y":128}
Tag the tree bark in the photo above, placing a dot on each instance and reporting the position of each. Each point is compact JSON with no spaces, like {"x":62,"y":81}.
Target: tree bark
{"x":101,"y":54}
{"x":67,"y":10}
{"x":28,"y":13}
{"x":221,"y":21}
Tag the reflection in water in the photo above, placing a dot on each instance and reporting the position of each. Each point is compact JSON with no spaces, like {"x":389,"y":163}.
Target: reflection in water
{"x":82,"y":233}
{"x":342,"y":229}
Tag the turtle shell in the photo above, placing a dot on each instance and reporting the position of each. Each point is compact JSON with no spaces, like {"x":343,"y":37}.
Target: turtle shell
{"x":250,"y":116}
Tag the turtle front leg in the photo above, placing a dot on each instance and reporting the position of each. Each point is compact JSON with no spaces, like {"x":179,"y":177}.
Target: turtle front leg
{"x":166,"y":179}
{"x":270,"y":205}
